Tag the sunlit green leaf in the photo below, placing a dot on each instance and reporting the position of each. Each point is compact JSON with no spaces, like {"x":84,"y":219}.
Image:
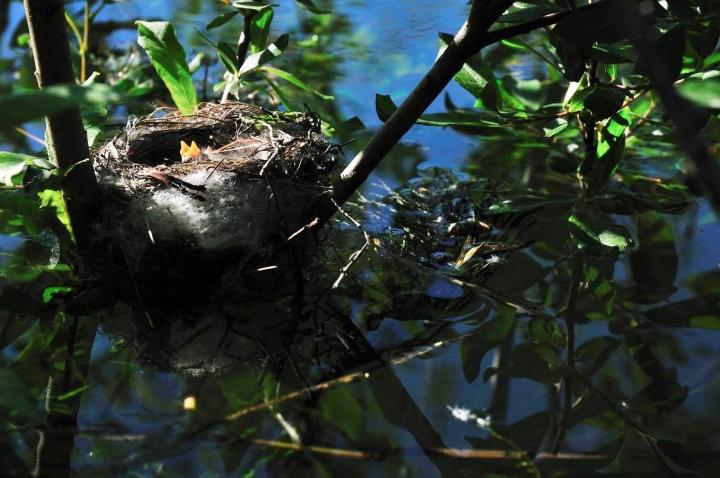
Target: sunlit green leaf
{"x":260,"y":29}
{"x":476,"y":77}
{"x":12,"y":165}
{"x":249,"y":6}
{"x":577,"y":102}
{"x":610,"y":151}
{"x":272,"y":51}
{"x":295,"y":81}
{"x":702,"y":92}
{"x":597,"y":232}
{"x":50,"y":292}
{"x":22,"y":107}
{"x":562,"y":126}
{"x":168,"y":57}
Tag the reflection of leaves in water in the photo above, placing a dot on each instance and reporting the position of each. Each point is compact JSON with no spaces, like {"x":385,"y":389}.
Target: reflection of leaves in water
{"x":434,"y":233}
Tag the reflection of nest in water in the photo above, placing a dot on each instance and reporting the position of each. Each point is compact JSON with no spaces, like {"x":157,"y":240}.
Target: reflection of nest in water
{"x":178,"y":231}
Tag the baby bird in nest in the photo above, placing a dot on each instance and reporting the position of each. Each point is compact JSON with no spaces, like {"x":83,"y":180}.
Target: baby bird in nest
{"x":191,"y":153}
{"x":247,"y":148}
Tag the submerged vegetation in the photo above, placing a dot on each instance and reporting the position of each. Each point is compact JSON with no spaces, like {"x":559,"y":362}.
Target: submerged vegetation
{"x":547,"y":303}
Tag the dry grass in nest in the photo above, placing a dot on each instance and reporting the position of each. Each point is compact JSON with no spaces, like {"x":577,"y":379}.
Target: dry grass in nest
{"x":246,"y":138}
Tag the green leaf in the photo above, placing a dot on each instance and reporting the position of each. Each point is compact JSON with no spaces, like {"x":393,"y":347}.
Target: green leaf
{"x":476,"y":77}
{"x":617,"y":125}
{"x":287,"y":102}
{"x":248,"y":6}
{"x":23,"y":39}
{"x":294,"y":80}
{"x":273,"y":51}
{"x":12,"y":165}
{"x":310,"y":6}
{"x":562,"y":126}
{"x":596,"y":232}
{"x":168,"y":57}
{"x":702,"y":312}
{"x":487,"y":336}
{"x":49,"y":292}
{"x":225,"y":52}
{"x":577,"y":101}
{"x":604,"y":101}
{"x":221,"y":19}
{"x":53,"y":199}
{"x":385,"y":107}
{"x":610,"y":151}
{"x":22,"y":107}
{"x":702,"y":92}
{"x":260,"y":29}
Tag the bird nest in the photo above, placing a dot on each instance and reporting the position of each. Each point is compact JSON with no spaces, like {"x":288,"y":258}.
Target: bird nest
{"x":200,"y":207}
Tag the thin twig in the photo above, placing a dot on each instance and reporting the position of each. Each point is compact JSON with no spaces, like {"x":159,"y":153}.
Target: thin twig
{"x":30,"y":136}
{"x":355,"y":255}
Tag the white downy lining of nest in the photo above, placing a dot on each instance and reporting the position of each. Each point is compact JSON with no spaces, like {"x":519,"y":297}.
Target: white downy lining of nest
{"x":228,"y":218}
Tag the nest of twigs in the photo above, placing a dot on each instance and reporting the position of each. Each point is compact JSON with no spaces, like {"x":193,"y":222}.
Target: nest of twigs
{"x":214,"y":225}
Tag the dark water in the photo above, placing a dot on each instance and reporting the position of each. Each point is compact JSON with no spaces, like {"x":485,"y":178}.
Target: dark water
{"x":133,"y":408}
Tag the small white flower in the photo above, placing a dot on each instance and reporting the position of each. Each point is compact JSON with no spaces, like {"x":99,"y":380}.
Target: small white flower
{"x":483,"y":423}
{"x":462,"y":414}
{"x":494,"y":259}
